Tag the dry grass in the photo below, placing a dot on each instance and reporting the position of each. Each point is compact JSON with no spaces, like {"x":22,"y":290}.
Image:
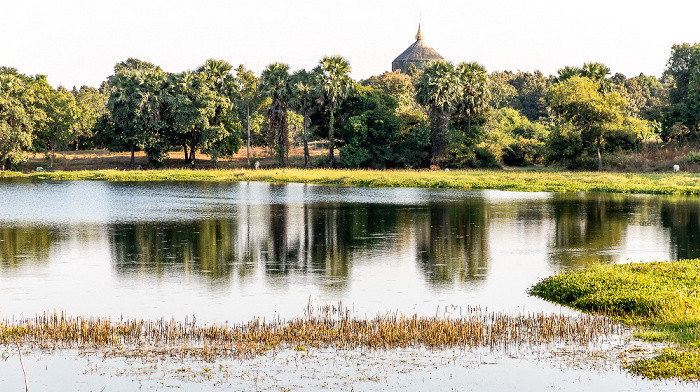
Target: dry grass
{"x":103,"y":159}
{"x":330,"y":327}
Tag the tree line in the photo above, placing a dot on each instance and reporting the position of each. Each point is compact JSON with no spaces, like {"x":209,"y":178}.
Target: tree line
{"x":445,"y":115}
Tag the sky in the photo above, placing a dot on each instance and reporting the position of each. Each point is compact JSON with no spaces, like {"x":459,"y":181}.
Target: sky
{"x":77,"y":42}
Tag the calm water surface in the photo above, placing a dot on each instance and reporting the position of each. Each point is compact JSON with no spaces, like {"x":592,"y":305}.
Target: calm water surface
{"x":228,"y":252}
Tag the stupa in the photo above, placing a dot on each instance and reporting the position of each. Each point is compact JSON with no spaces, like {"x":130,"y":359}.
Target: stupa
{"x":418,"y":54}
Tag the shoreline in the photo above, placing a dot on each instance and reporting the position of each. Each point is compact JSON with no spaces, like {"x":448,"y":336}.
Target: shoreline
{"x":521,"y":181}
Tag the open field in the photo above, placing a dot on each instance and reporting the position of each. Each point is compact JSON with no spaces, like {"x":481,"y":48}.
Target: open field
{"x":660,"y":298}
{"x":103,"y":159}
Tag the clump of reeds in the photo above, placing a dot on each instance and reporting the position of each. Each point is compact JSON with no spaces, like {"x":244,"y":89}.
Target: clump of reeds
{"x":327,"y":326}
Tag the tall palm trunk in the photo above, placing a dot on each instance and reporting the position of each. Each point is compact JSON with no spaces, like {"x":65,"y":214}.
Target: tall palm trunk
{"x":331,"y":138}
{"x":247,"y":116}
{"x":440,"y":120}
{"x":307,"y":157}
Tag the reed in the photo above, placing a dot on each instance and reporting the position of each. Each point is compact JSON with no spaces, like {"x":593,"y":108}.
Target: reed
{"x":329,"y":327}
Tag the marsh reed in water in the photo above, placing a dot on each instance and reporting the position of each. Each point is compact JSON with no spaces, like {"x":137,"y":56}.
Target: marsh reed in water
{"x":323,"y":326}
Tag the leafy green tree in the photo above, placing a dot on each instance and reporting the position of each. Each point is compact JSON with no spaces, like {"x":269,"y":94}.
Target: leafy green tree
{"x":249,"y":98}
{"x":579,"y":101}
{"x":335,"y":86}
{"x":92,"y":104}
{"x":304,"y":95}
{"x":399,"y":86}
{"x":683,"y":72}
{"x":202,"y":113}
{"x":18,"y":116}
{"x":62,"y":117}
{"x":221,"y":138}
{"x":503,"y":94}
{"x":645,"y":95}
{"x":437,"y":88}
{"x":371,"y":130}
{"x":531,"y":94}
{"x":597,"y":72}
{"x":274,"y":83}
{"x":136,"y":106}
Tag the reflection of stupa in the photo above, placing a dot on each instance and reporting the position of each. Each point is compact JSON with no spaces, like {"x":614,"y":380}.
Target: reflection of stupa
{"x":418,"y":54}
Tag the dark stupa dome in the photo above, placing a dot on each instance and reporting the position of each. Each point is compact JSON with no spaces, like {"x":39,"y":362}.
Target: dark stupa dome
{"x":418,"y":54}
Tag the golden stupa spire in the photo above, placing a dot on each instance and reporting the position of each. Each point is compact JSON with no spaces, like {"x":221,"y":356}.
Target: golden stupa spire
{"x":419,"y":36}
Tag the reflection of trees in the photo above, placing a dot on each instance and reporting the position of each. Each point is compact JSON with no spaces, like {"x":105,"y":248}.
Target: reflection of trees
{"x":588,"y":228}
{"x":22,"y":244}
{"x":203,"y":247}
{"x":682,"y":217}
{"x":452,"y":240}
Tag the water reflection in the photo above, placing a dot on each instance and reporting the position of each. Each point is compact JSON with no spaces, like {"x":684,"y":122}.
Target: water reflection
{"x":20,"y":245}
{"x":589,"y":228}
{"x":297,"y":240}
{"x":682,"y":217}
{"x":452,"y":241}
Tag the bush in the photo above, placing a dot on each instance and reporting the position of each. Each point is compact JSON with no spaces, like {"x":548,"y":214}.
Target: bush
{"x":475,"y":157}
{"x":524,"y":152}
{"x":622,"y":139}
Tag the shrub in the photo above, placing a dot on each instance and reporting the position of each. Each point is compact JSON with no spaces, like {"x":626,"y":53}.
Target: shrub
{"x":524,"y":152}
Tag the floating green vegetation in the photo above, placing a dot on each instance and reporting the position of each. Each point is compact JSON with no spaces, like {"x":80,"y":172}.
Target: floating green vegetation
{"x":661,"y":298}
{"x":685,"y":184}
{"x":330,"y":327}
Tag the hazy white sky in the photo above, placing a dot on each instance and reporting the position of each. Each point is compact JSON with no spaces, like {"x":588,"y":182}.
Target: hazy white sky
{"x":77,"y":42}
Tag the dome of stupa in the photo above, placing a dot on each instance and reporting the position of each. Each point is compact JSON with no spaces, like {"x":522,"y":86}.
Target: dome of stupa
{"x":418,"y":54}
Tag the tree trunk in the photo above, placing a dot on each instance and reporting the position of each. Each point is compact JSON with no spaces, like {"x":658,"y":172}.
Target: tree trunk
{"x":247,"y":116}
{"x":187,"y":155}
{"x":307,"y":157}
{"x":282,"y":149}
{"x":193,"y":158}
{"x":331,"y":139}
{"x":133,"y":161}
{"x":597,"y":149}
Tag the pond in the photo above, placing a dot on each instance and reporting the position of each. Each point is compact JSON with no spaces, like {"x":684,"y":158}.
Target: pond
{"x":228,"y":252}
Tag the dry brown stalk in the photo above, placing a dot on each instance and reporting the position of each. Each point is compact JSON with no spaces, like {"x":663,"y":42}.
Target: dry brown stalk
{"x":329,"y":327}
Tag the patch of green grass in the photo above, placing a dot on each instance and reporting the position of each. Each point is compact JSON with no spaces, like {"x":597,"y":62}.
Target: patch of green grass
{"x":684,"y":365}
{"x":661,"y":298}
{"x":525,"y":181}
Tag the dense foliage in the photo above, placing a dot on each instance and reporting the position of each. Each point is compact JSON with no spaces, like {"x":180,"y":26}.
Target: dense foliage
{"x":444,"y":115}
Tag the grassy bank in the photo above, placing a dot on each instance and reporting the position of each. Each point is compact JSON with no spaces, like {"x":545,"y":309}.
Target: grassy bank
{"x":661,"y":298}
{"x":668,"y":183}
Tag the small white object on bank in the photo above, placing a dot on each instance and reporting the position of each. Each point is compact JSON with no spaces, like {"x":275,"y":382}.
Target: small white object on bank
{"x":676,"y":168}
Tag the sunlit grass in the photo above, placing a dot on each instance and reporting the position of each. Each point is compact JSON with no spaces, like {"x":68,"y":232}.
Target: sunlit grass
{"x":326,"y":326}
{"x":661,"y":298}
{"x":526,"y":181}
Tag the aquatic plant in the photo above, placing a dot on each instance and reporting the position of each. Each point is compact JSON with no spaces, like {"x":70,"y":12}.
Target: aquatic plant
{"x":327,"y":326}
{"x":660,"y":297}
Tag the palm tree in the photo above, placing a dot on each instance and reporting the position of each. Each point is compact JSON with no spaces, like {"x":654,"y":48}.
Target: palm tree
{"x":335,"y":87}
{"x":438,"y":89}
{"x":274,"y":83}
{"x":473,"y":99}
{"x":216,"y":70}
{"x":304,"y":90}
